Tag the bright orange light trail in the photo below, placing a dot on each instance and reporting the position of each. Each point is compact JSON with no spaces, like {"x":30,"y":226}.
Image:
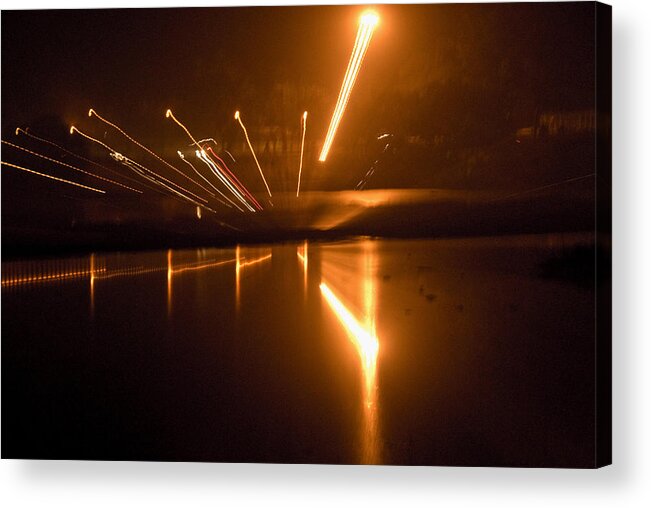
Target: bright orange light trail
{"x":246,"y":135}
{"x":51,"y":277}
{"x":368,"y":22}
{"x":53,"y":177}
{"x":77,"y":156}
{"x":71,"y":167}
{"x":201,"y":265}
{"x":300,"y":165}
{"x":92,"y":112}
{"x":169,"y":114}
{"x":253,"y":261}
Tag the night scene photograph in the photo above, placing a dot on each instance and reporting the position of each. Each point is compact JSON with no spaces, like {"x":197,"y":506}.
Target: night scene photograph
{"x":352,"y":234}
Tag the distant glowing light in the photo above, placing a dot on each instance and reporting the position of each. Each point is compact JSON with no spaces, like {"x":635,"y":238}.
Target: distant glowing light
{"x":300,"y":165}
{"x":53,"y":177}
{"x":367,"y":24}
{"x":246,"y":135}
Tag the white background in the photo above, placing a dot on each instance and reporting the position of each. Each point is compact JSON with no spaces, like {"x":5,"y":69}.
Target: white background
{"x":626,"y":483}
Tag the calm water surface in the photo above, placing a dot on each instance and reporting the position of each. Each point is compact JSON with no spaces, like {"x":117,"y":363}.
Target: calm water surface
{"x":399,"y":352}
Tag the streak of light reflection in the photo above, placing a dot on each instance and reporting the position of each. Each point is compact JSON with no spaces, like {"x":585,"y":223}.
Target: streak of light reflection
{"x":363,"y":335}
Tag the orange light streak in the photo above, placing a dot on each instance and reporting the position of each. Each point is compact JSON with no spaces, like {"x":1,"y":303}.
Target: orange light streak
{"x":368,"y":22}
{"x":92,"y":112}
{"x":246,"y":135}
{"x":254,"y":261}
{"x":303,"y":257}
{"x":300,"y":165}
{"x":237,"y":277}
{"x":169,"y":114}
{"x":77,"y":156}
{"x":69,"y":166}
{"x":169,"y":282}
{"x":51,"y":277}
{"x":53,"y":177}
{"x":128,"y":162}
{"x":202,"y":266}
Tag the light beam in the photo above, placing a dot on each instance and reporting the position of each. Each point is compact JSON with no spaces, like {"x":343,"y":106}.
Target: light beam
{"x":367,"y":24}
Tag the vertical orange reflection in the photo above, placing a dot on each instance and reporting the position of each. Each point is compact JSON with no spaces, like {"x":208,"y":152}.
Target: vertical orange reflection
{"x":363,"y":336}
{"x":302,"y":256}
{"x":237,"y":277}
{"x":92,"y":284}
{"x":169,"y":282}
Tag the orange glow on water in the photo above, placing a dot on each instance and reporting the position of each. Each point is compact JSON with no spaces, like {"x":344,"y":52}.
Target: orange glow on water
{"x":368,"y":22}
{"x":254,"y":261}
{"x":91,"y":262}
{"x":302,"y":256}
{"x":169,"y":282}
{"x":363,"y":335}
{"x":237,"y":277}
{"x":363,"y":338}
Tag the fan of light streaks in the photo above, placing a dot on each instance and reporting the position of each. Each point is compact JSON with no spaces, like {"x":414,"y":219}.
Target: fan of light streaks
{"x":234,"y":180}
{"x":132,"y":164}
{"x":92,"y":112}
{"x":29,"y":133}
{"x":207,"y":181}
{"x":368,"y":22}
{"x":246,"y":135}
{"x":71,"y":167}
{"x":203,"y":156}
{"x":53,"y":177}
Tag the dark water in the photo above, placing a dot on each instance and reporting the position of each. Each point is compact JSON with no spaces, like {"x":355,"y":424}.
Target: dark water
{"x":450,"y":352}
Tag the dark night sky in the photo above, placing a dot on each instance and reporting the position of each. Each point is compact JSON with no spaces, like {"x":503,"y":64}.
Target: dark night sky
{"x":131,"y":65}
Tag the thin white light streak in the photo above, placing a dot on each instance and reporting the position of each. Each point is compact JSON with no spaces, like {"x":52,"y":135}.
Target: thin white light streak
{"x":208,"y":181}
{"x":234,"y":180}
{"x":198,"y":155}
{"x":246,"y":134}
{"x":204,"y":157}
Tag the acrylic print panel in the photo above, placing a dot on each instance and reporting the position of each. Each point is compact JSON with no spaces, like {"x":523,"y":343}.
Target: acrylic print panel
{"x":320,"y":234}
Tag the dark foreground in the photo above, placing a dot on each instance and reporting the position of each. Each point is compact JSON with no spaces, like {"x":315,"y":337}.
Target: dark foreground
{"x":437,"y":352}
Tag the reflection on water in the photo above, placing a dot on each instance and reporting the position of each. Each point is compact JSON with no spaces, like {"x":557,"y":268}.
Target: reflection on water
{"x":268,"y":361}
{"x":363,"y":336}
{"x":301,"y":253}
